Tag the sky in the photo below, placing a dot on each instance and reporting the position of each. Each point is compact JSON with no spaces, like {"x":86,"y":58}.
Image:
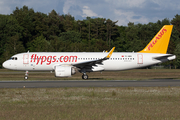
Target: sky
{"x":123,"y":11}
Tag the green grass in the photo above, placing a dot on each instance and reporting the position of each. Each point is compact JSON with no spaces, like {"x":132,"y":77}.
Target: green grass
{"x":131,"y":103}
{"x":137,"y":74}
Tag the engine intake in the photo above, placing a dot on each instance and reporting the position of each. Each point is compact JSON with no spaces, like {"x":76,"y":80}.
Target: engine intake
{"x":64,"y":71}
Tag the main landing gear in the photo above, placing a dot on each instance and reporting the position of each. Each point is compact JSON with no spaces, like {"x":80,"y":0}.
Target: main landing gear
{"x":26,"y":75}
{"x":85,"y":76}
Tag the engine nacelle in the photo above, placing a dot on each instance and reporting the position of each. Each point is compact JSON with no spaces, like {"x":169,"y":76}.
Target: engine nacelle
{"x":64,"y":71}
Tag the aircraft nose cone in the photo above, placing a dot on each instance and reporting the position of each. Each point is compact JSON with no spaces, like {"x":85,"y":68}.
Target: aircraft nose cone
{"x":5,"y":64}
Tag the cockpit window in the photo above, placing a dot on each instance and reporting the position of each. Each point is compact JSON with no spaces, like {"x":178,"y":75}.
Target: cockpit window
{"x":13,"y":58}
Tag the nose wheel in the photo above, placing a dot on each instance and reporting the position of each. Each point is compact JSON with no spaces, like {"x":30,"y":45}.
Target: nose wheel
{"x":85,"y":76}
{"x":26,"y":75}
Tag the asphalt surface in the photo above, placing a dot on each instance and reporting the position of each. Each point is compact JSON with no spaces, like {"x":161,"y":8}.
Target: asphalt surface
{"x":90,"y":83}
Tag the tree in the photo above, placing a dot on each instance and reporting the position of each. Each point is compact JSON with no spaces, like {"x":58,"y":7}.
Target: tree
{"x":120,"y":42}
{"x":3,"y":34}
{"x":176,"y":22}
{"x":55,"y":26}
{"x":111,"y":29}
{"x":12,"y":47}
{"x":25,"y":19}
{"x":10,"y":35}
{"x":68,"y":22}
{"x":39,"y":44}
{"x":69,"y":37}
{"x":40,"y":22}
{"x":177,"y":52}
{"x":56,"y":43}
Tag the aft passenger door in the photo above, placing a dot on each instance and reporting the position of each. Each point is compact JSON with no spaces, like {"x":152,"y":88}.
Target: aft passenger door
{"x":139,"y":59}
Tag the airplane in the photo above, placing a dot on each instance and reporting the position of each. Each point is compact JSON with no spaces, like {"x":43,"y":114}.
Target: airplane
{"x":65,"y":64}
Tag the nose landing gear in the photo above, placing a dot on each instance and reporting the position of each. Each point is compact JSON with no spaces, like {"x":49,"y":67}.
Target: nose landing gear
{"x":26,"y":75}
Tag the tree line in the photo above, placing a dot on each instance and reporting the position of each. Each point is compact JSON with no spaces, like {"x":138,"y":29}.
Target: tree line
{"x":26,"y":29}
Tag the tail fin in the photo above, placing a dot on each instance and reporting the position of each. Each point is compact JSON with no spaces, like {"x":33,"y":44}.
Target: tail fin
{"x":160,"y":42}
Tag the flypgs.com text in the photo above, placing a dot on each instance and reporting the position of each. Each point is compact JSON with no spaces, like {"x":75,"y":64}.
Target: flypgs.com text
{"x":157,"y":37}
{"x":51,"y":59}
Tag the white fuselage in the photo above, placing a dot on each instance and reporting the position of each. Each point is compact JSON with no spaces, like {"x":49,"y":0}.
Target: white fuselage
{"x":46,"y":61}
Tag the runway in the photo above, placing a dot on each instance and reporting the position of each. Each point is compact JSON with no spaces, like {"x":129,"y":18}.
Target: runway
{"x":90,"y":83}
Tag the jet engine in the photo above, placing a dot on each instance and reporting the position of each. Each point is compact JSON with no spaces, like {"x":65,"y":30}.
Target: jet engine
{"x":64,"y":71}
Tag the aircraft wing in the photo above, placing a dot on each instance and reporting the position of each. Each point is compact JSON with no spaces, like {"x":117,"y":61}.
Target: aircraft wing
{"x":89,"y":64}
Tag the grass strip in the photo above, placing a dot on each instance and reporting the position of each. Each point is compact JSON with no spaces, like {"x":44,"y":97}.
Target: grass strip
{"x":90,"y":103}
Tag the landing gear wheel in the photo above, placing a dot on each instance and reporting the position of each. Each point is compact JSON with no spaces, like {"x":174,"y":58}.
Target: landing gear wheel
{"x":84,"y":76}
{"x":26,"y":77}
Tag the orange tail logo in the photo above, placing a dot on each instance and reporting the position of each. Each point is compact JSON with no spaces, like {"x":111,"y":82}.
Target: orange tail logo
{"x":155,"y":40}
{"x":159,"y":43}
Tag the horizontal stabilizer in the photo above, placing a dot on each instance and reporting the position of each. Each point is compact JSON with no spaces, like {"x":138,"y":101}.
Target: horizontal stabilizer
{"x":167,"y":56}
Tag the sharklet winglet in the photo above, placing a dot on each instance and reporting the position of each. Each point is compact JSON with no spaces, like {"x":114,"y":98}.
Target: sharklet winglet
{"x":110,"y":52}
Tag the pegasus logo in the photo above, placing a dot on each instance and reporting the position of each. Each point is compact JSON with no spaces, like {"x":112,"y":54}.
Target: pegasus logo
{"x":157,"y":37}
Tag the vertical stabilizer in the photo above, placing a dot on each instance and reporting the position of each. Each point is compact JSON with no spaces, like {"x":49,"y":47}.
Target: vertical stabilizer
{"x":159,"y":44}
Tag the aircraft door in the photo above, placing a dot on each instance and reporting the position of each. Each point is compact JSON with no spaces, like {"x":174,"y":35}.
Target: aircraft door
{"x":26,"y":59}
{"x":139,"y":59}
